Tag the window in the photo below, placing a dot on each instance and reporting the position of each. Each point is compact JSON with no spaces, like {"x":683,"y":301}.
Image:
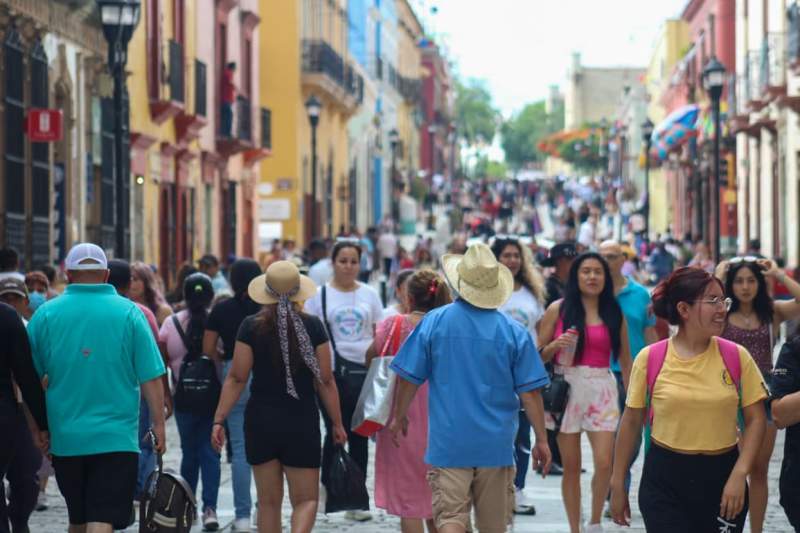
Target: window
{"x":154,"y":49}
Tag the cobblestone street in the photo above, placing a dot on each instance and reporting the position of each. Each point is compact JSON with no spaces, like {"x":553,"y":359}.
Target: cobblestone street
{"x":546,"y":494}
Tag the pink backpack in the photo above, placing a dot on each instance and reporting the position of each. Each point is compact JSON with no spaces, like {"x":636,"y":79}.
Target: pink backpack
{"x":655,"y":360}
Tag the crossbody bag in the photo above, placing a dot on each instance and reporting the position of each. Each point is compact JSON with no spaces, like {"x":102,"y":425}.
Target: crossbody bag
{"x":349,"y":373}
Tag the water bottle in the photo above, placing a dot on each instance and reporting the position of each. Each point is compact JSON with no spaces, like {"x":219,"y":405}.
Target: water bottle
{"x":567,"y":355}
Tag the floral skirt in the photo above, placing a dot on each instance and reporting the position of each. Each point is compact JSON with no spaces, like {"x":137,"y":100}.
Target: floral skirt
{"x":592,"y":403}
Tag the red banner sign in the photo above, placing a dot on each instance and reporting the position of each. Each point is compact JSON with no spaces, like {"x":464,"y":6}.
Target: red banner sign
{"x":44,"y":125}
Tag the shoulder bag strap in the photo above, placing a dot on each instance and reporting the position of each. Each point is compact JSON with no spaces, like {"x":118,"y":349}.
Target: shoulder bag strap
{"x":324,"y":295}
{"x":730,"y":356}
{"x":392,"y":342}
{"x":180,"y":331}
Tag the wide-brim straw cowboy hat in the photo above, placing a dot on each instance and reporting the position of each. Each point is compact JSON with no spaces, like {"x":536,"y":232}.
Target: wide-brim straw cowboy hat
{"x":478,"y":277}
{"x":282,"y":277}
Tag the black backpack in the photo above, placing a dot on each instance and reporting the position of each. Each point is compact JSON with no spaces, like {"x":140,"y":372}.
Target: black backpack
{"x":198,"y":387}
{"x":168,"y":504}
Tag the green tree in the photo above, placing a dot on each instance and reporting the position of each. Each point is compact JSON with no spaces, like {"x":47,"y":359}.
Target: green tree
{"x":523,"y":131}
{"x":477,"y":117}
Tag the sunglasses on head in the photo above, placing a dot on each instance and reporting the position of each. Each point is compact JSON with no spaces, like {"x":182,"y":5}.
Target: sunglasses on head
{"x":745,"y":259}
{"x":507,"y":237}
{"x":351,"y":240}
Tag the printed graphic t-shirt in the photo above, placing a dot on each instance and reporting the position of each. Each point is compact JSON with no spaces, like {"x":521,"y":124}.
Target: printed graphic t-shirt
{"x":695,"y":401}
{"x":351,"y":316}
{"x":523,"y":307}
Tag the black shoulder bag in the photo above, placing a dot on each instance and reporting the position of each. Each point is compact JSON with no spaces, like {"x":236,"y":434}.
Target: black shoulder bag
{"x":198,"y":387}
{"x":352,"y":375}
{"x":168,"y":504}
{"x":555,"y":396}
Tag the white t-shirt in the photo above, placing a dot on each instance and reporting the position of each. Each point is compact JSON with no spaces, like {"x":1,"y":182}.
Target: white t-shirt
{"x":321,"y":272}
{"x":387,"y":245}
{"x":352,"y":317}
{"x":525,"y":309}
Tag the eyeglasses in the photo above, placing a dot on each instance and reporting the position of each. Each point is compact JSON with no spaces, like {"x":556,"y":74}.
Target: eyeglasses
{"x":716,"y":301}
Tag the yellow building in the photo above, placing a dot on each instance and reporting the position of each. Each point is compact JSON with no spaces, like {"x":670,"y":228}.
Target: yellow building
{"x":670,"y":47}
{"x":193,"y":184}
{"x":409,"y":114}
{"x":315,"y":32}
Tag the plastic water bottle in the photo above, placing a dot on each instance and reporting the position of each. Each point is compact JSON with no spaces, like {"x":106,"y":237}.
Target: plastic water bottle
{"x":567,"y":355}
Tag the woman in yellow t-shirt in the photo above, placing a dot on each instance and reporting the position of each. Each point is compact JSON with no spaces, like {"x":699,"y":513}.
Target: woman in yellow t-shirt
{"x":694,"y":477}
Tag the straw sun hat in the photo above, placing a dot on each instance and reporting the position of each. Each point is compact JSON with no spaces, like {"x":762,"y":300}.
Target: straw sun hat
{"x":283,"y":277}
{"x":478,"y":277}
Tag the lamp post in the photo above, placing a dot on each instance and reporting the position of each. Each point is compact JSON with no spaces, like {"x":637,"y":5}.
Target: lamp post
{"x":313,"y":109}
{"x":394,"y":139}
{"x":430,"y":197}
{"x":647,"y":137}
{"x":119,"y":18}
{"x":713,"y":82}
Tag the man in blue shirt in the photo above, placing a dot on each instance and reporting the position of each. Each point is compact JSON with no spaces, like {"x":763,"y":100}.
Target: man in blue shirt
{"x":94,"y":350}
{"x":479,"y":364}
{"x":634,"y":299}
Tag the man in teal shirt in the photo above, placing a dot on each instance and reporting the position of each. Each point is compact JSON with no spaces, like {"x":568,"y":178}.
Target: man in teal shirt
{"x":634,"y":300}
{"x":94,"y":350}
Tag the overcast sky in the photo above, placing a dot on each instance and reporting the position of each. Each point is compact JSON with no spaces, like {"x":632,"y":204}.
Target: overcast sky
{"x":522,"y":46}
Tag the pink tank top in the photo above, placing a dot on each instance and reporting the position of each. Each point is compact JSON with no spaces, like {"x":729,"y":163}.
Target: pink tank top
{"x":596,"y":346}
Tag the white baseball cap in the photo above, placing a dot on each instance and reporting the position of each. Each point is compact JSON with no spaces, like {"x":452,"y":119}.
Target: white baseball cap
{"x":86,"y":256}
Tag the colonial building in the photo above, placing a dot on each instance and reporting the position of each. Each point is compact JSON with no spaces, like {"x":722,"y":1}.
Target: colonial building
{"x":54,"y":194}
{"x":194,"y":185}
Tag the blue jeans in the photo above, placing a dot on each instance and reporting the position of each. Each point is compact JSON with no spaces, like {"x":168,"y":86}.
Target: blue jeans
{"x":147,"y":459}
{"x":240,"y":469}
{"x":522,"y":450}
{"x":621,"y":393}
{"x":198,"y":455}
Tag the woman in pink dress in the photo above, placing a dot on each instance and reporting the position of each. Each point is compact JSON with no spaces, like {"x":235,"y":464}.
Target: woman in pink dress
{"x":401,"y":487}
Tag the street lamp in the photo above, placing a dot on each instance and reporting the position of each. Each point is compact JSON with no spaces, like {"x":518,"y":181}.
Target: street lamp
{"x":313,"y":109}
{"x":647,"y":137}
{"x":714,"y":82}
{"x":119,"y":18}
{"x":394,"y":139}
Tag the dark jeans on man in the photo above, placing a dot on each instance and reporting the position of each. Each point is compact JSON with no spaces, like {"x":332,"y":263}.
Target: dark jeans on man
{"x":357,"y":446}
{"x":387,"y":266}
{"x":226,"y":119}
{"x":522,"y":450}
{"x":19,"y":462}
{"x":621,"y":395}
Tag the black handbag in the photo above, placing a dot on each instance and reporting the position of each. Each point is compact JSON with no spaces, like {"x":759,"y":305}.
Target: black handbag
{"x":555,"y":396}
{"x":168,"y":504}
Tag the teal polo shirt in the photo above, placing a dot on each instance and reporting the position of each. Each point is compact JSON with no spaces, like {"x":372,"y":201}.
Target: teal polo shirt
{"x":637,"y":308}
{"x":95,"y":347}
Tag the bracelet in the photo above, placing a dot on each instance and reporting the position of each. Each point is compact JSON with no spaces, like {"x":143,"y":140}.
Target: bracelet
{"x":218,"y":424}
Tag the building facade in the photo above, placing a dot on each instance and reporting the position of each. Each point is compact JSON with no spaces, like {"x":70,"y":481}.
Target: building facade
{"x":54,"y":194}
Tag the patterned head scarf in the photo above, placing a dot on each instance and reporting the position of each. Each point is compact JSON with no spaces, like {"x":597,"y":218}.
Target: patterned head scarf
{"x":286,"y":312}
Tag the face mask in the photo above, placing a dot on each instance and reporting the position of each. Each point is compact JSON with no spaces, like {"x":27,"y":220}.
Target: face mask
{"x":35,"y":299}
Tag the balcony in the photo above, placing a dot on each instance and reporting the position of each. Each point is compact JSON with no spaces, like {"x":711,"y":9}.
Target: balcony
{"x":263,"y":148}
{"x":242,"y":139}
{"x":326,"y":71}
{"x":773,"y":66}
{"x":192,"y":118}
{"x":170,"y":95}
{"x":752,"y":68}
{"x":409,"y":88}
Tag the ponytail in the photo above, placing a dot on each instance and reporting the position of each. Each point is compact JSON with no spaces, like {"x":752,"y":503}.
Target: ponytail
{"x":427,"y":290}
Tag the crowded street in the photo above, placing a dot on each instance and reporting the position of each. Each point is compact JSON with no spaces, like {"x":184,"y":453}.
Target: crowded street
{"x":420,"y":266}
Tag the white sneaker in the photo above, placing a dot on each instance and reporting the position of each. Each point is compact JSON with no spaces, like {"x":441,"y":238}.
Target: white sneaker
{"x":210,"y":522}
{"x":241,"y":524}
{"x":41,"y":502}
{"x":358,"y":516}
{"x":522,"y":505}
{"x":593,"y":528}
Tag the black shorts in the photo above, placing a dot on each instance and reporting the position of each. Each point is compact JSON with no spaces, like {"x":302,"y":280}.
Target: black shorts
{"x":681,"y":492}
{"x":98,"y":488}
{"x":292,"y":437}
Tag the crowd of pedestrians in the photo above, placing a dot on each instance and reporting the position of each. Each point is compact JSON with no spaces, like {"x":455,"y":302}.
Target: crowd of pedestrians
{"x":655,"y":345}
